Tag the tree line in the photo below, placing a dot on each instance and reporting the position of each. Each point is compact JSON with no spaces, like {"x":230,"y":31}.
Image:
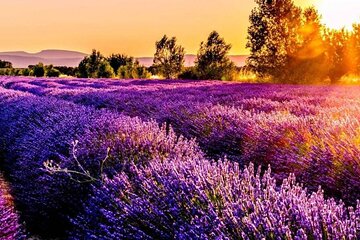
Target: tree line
{"x":290,"y":45}
{"x":212,"y":63}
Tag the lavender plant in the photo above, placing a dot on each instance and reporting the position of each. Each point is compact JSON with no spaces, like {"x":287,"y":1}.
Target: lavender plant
{"x":312,"y":131}
{"x":204,"y":200}
{"x":35,"y":130}
{"x":10,"y":227}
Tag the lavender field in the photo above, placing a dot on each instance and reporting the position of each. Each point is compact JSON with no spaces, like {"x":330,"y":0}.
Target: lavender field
{"x":151,"y":159}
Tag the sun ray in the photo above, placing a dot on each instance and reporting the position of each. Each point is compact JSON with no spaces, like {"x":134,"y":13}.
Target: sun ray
{"x":339,"y":14}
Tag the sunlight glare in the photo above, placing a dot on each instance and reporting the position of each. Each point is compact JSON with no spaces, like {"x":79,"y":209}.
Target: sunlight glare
{"x":339,"y":14}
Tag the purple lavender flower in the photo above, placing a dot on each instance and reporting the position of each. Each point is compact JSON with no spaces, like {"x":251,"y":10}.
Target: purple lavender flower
{"x":10,"y":227}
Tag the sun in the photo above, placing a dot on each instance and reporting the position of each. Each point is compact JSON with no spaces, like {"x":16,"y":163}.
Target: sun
{"x":339,"y":14}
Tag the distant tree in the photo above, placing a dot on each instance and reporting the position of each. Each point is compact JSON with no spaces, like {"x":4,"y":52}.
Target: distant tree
{"x":38,"y":70}
{"x":189,"y":73}
{"x":118,"y":60}
{"x":104,"y":70}
{"x":169,"y":57}
{"x":355,"y":49}
{"x":89,"y":66}
{"x":308,"y":64}
{"x":95,"y":66}
{"x":273,"y":36}
{"x":50,"y":71}
{"x":25,"y":72}
{"x":5,"y":64}
{"x":65,"y":70}
{"x":133,"y":70}
{"x":338,"y":54}
{"x":212,"y":60}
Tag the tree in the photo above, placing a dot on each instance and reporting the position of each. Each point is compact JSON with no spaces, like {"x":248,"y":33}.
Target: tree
{"x":50,"y":71}
{"x":25,"y":72}
{"x":133,"y":70}
{"x":118,"y":60}
{"x":89,"y":66}
{"x":65,"y":70}
{"x":338,"y":49}
{"x":212,"y":61}
{"x":95,"y":66}
{"x":309,"y":62}
{"x":355,"y":49}
{"x":5,"y":64}
{"x":104,"y":70}
{"x":273,"y":36}
{"x":169,"y":57}
{"x":38,"y":70}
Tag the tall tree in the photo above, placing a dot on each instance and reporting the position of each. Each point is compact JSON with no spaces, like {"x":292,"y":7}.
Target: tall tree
{"x":169,"y":57}
{"x":95,"y":66}
{"x":212,"y":60}
{"x":338,"y":48}
{"x":273,"y":36}
{"x":38,"y":70}
{"x":308,"y":63}
{"x":118,"y":60}
{"x":355,"y":48}
{"x":5,"y":64}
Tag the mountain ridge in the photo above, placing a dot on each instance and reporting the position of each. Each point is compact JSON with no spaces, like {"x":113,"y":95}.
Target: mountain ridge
{"x":58,"y":57}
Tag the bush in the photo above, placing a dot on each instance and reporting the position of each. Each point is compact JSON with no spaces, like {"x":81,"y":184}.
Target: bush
{"x":202,"y":200}
{"x":38,"y":70}
{"x":189,"y":73}
{"x":212,"y":61}
{"x":51,"y":71}
{"x":105,"y":70}
{"x":133,"y":70}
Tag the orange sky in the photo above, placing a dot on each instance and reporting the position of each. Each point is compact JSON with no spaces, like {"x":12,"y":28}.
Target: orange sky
{"x":122,"y":26}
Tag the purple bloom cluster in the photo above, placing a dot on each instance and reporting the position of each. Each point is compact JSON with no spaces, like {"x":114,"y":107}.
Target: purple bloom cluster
{"x":10,"y":227}
{"x":203,"y":200}
{"x":37,"y":129}
{"x":137,"y":180}
{"x":311,"y":131}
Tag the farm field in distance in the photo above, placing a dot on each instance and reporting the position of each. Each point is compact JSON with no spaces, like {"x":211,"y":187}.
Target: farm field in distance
{"x":151,"y":159}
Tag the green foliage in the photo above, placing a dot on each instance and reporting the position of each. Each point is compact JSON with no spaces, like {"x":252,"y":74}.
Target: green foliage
{"x":38,"y":70}
{"x":273,"y":36}
{"x":189,"y":73}
{"x":309,"y":63}
{"x":339,"y":57}
{"x":68,"y":71}
{"x":89,"y":66}
{"x":50,"y":71}
{"x":5,"y":64}
{"x":105,"y":70}
{"x":133,"y":70}
{"x":355,"y":44}
{"x":212,"y":61}
{"x":169,"y":57}
{"x":118,"y":60}
{"x":25,"y":72}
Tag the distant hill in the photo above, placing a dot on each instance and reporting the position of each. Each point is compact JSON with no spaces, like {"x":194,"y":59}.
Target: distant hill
{"x":21,"y":59}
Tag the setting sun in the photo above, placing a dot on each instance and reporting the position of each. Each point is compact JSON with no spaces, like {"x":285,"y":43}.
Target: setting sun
{"x":339,"y":14}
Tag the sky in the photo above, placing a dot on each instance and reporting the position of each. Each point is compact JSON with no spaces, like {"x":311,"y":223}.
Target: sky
{"x":123,"y":26}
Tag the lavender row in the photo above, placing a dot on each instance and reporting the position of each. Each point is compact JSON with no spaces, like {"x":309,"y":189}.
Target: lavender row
{"x":37,"y":129}
{"x":154,"y":185}
{"x":10,"y":227}
{"x":312,"y":131}
{"x":201,"y":200}
{"x":240,"y":95}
